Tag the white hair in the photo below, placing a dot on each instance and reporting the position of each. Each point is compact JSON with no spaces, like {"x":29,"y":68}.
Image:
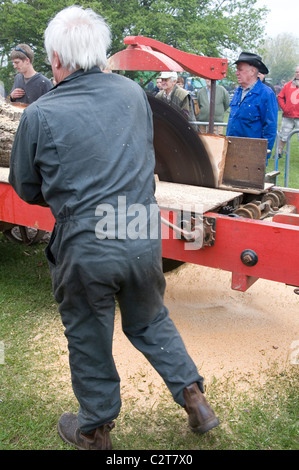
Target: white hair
{"x":79,"y":37}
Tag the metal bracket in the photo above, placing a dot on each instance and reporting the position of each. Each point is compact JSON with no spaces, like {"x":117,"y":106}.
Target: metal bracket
{"x":197,"y":229}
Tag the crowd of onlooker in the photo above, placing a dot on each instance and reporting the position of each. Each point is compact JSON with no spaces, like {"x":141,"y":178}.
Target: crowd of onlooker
{"x":253,"y":105}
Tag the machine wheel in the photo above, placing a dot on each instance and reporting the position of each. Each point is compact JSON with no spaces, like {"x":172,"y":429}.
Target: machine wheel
{"x":181,"y":156}
{"x":26,"y":235}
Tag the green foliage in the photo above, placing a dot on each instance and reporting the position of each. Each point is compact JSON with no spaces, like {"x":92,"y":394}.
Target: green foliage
{"x":281,"y":54}
{"x":25,"y":22}
{"x":293,"y":173}
{"x":208,"y":27}
{"x":205,"y":27}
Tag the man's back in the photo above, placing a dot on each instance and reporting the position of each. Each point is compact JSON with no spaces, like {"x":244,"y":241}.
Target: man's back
{"x":221,"y":103}
{"x":92,"y":152}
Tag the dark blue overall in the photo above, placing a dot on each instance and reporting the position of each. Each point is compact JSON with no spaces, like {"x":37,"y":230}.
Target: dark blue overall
{"x":86,"y":149}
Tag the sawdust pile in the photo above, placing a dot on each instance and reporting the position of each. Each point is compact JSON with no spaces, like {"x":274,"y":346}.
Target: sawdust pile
{"x":225,"y":331}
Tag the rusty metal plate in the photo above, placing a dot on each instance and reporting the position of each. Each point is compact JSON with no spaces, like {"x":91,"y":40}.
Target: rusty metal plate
{"x":181,"y":156}
{"x":245,"y":163}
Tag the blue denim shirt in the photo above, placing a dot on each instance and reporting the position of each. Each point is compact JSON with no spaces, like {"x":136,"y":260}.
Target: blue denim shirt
{"x":255,"y":116}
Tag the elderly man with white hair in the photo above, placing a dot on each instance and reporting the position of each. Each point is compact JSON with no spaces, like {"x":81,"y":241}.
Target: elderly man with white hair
{"x":175,"y":96}
{"x":254,"y":105}
{"x":86,"y":150}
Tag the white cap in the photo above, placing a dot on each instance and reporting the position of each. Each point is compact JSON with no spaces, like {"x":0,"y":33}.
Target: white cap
{"x":169,"y":74}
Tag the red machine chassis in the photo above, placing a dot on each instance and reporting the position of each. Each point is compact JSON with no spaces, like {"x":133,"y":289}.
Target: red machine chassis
{"x":275,"y":243}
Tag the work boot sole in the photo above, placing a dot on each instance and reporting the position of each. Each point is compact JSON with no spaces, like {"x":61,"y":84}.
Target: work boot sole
{"x":207,"y":426}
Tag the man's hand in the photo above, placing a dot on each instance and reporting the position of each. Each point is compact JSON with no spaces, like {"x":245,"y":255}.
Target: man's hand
{"x":17,"y":93}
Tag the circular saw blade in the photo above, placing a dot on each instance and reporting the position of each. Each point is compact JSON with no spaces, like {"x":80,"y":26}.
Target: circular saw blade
{"x":181,"y":156}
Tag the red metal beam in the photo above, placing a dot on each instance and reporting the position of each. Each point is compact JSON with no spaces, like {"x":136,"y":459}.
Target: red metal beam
{"x":292,"y":196}
{"x":206,"y":67}
{"x":15,"y":211}
{"x":142,"y":58}
{"x":275,"y":244}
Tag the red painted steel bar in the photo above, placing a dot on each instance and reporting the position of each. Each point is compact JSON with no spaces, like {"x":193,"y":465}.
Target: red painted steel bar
{"x":15,"y":211}
{"x":131,"y":58}
{"x":213,"y":68}
{"x":275,"y":244}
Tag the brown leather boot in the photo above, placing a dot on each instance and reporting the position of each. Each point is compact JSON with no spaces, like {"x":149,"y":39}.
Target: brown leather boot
{"x":201,"y":416}
{"x":70,"y":433}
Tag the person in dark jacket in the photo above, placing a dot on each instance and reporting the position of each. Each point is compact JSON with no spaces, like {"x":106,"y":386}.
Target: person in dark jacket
{"x":254,"y":105}
{"x":86,"y":150}
{"x":221,"y":105}
{"x":28,"y":85}
{"x":176,"y":96}
{"x":262,"y":78}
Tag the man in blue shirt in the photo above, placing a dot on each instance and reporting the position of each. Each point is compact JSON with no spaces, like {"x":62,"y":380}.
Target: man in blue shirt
{"x":254,"y":106}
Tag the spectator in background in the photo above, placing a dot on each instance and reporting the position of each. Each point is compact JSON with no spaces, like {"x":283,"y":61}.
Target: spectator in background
{"x":150,"y":87}
{"x":188,"y":85}
{"x":176,"y":96}
{"x":221,"y":105}
{"x":288,"y":100}
{"x":254,"y":105}
{"x":28,"y":85}
{"x":262,"y":77}
{"x":181,"y":82}
{"x":158,"y":86}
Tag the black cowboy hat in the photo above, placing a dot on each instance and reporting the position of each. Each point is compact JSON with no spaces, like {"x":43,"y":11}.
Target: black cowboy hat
{"x":254,"y":60}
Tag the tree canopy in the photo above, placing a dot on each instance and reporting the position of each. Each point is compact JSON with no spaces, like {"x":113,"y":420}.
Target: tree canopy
{"x":216,"y":28}
{"x":282,"y":56}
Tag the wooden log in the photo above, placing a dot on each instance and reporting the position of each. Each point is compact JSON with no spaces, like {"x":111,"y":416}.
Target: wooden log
{"x":9,"y":121}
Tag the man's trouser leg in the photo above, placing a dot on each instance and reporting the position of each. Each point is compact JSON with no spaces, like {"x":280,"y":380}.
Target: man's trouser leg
{"x":85,"y":292}
{"x":147,"y":325}
{"x":95,"y":381}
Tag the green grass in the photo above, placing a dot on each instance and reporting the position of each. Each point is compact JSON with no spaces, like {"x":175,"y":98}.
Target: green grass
{"x":293,"y":175}
{"x":35,"y":382}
